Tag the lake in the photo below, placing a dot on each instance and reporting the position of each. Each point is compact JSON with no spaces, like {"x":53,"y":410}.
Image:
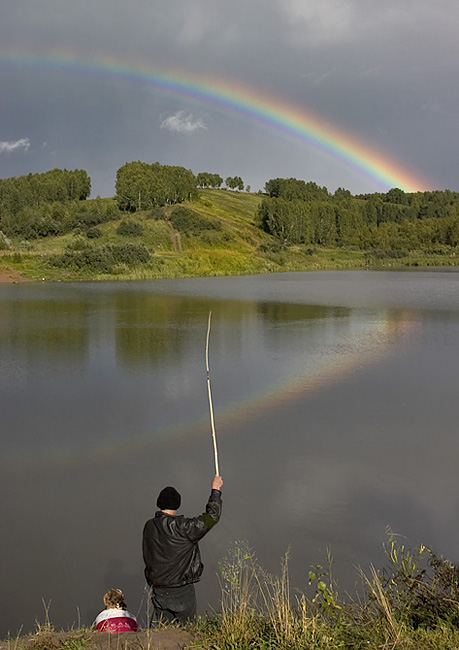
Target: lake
{"x":336,"y":405}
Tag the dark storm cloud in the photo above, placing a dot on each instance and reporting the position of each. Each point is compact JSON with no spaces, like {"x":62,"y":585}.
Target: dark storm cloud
{"x":384,"y":72}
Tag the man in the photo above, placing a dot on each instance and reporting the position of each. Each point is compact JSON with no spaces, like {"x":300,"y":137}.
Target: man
{"x":171,"y":553}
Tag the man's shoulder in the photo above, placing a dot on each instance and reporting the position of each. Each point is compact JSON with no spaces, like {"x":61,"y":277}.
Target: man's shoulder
{"x":161,"y":517}
{"x":149,"y":523}
{"x":157,"y":514}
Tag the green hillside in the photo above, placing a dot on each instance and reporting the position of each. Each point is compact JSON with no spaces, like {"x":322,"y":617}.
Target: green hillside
{"x":217,"y":234}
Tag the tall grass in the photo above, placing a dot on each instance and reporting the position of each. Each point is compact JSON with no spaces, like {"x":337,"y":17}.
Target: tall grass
{"x":260,"y":610}
{"x":411,"y":604}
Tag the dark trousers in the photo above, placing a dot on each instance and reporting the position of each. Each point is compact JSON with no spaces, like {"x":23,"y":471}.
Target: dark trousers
{"x":173,"y":604}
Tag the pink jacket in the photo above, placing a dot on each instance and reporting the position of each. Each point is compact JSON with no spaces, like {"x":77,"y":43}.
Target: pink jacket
{"x":116,"y":620}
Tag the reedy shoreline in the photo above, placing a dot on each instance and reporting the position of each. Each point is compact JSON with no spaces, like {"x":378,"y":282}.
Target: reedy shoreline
{"x":411,"y":604}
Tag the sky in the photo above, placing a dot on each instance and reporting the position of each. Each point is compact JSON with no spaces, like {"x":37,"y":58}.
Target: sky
{"x":360,"y":94}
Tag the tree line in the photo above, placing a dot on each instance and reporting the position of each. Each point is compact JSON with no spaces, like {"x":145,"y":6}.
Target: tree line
{"x":51,"y":203}
{"x":214,"y":181}
{"x":299,"y":212}
{"x":141,"y":186}
{"x":293,"y":211}
{"x":20,"y":192}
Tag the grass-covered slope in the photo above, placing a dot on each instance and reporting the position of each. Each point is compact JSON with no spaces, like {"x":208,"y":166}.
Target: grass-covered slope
{"x":215,"y":235}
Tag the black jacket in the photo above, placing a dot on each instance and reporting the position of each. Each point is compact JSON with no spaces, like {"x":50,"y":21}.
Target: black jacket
{"x":170,"y":545}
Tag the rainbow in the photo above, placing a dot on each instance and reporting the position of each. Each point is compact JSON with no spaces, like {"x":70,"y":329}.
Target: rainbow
{"x":232,"y":97}
{"x":367,"y":346}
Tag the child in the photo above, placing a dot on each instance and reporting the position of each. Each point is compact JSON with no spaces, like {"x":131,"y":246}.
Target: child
{"x":115,"y":617}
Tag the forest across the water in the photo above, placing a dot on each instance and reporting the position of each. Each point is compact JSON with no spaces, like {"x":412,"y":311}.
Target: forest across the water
{"x":165,"y":221}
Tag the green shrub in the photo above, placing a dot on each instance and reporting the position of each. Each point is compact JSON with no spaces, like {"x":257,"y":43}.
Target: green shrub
{"x":89,"y":219}
{"x":156,"y":213}
{"x":130,"y":229}
{"x":102,"y":259}
{"x":94,"y":232}
{"x":91,"y":259}
{"x":130,"y":254}
{"x":272,"y":247}
{"x":189,"y":222}
{"x":78,"y":243}
{"x":420,"y":588}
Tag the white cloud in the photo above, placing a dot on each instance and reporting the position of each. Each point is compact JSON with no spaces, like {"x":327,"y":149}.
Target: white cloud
{"x":180,"y":122}
{"x":8,"y":147}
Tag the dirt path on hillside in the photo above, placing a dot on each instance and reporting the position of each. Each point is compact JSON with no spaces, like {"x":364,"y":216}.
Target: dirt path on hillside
{"x":175,"y":235}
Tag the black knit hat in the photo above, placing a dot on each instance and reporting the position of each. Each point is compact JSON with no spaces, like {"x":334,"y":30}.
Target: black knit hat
{"x":169,"y":499}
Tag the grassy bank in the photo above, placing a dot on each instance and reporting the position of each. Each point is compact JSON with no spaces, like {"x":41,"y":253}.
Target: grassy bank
{"x":225,"y":241}
{"x":410,"y":604}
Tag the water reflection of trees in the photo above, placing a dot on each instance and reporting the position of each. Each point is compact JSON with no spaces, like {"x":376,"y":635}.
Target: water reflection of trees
{"x":280,"y":311}
{"x":52,"y":329}
{"x":144,"y":328}
{"x":151,"y":328}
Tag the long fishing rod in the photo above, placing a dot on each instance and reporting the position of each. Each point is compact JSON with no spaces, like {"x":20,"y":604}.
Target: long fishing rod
{"x":209,"y":393}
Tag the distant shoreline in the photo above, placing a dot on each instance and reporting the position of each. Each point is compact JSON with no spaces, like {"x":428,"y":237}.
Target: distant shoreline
{"x":218,"y":234}
{"x":11,"y":276}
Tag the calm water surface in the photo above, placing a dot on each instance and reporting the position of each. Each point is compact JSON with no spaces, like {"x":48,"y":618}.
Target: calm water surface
{"x":336,"y":405}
